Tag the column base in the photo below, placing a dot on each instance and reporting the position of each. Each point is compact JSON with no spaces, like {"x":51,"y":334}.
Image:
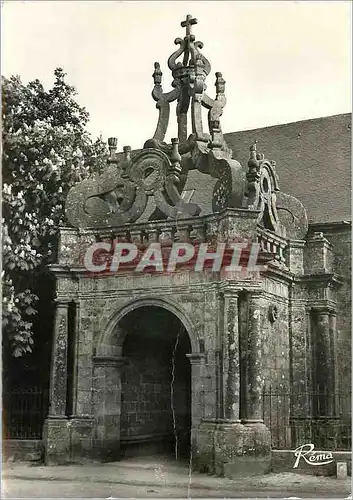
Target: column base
{"x":82,"y":431}
{"x":56,"y":438}
{"x":232,"y":449}
{"x":69,"y":440}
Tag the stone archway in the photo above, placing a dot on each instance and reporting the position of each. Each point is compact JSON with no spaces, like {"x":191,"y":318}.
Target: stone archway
{"x":155,"y":384}
{"x":143,"y":366}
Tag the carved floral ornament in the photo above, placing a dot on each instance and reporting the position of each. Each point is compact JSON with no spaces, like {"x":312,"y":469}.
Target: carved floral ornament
{"x":160,"y":170}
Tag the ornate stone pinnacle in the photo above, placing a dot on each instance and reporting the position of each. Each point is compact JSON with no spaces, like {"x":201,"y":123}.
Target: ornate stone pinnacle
{"x":127,"y":152}
{"x":253,"y":163}
{"x":175,"y":159}
{"x":157,"y":74}
{"x":189,"y":21}
{"x":189,"y":48}
{"x":220,"y":83}
{"x":112,"y":145}
{"x":189,"y":69}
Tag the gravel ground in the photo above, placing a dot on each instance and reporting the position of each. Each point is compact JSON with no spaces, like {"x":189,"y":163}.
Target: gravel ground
{"x":144,"y":480}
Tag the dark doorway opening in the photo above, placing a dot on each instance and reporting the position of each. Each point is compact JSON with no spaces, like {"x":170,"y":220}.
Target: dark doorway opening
{"x":156,"y":385}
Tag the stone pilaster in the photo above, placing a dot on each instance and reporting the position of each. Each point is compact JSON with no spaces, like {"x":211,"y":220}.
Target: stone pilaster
{"x":254,"y":414}
{"x":301,"y":371}
{"x":107,"y":405}
{"x":75,"y":358}
{"x":231,"y":364}
{"x":56,"y":431}
{"x":300,"y":354}
{"x":225,"y":446}
{"x":295,"y":256}
{"x":333,"y":337}
{"x":197,"y":361}
{"x":58,"y":379}
{"x":325,"y":362}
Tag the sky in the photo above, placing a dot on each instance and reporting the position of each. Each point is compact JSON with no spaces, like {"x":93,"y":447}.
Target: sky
{"x":283,"y":61}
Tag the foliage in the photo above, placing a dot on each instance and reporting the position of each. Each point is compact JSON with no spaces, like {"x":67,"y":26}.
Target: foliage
{"x":46,"y":149}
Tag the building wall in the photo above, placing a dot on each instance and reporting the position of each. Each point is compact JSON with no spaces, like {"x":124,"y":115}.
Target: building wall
{"x":313,"y":161}
{"x":273,"y":350}
{"x":146,"y":378}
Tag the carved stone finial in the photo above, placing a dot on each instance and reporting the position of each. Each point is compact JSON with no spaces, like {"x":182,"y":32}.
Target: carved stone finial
{"x":262,"y":188}
{"x":127,"y":152}
{"x":220,"y":83}
{"x":120,"y":193}
{"x":175,"y":160}
{"x":175,"y":156}
{"x":253,"y":160}
{"x":189,"y":21}
{"x":157,"y":74}
{"x":112,"y":145}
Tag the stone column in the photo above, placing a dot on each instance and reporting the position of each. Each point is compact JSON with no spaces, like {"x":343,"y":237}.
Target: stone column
{"x":333,"y":333}
{"x":56,"y":432}
{"x":81,"y":420}
{"x":107,"y":405}
{"x":325,"y":428}
{"x":197,"y":361}
{"x":75,"y":358}
{"x":231,"y":365}
{"x":325,"y":362}
{"x":254,"y":369}
{"x":58,"y":378}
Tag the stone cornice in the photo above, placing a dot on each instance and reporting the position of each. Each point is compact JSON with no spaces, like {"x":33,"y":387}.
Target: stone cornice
{"x":196,"y":358}
{"x":296,"y":243}
{"x":283,"y":275}
{"x":318,"y":241}
{"x":324,"y":307}
{"x":235,"y":213}
{"x":62,"y":302}
{"x":325,"y":279}
{"x":233,"y":288}
{"x":329,"y":226}
{"x":67,"y":271}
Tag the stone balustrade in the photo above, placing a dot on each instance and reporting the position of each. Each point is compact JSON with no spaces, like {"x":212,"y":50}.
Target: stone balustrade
{"x":274,"y":244}
{"x":229,"y":226}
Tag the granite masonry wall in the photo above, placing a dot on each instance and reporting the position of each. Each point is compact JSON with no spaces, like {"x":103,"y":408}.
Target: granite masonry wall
{"x":250,"y":340}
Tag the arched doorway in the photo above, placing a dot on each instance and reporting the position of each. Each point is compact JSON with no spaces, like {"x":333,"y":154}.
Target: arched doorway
{"x":155,"y":384}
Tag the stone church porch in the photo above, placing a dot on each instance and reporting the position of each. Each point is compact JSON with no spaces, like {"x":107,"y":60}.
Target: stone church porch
{"x":180,"y":361}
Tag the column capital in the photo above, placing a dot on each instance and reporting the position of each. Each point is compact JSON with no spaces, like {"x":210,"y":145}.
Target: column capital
{"x":325,"y":309}
{"x":117,"y":361}
{"x":196,"y":358}
{"x":229,"y":293}
{"x":256,"y":293}
{"x":62,"y":303}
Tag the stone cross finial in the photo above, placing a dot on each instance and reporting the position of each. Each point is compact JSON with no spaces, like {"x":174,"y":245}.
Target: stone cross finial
{"x":189,"y":21}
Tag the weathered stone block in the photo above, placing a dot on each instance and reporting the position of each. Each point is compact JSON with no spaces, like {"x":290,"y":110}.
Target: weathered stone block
{"x":232,"y":449}
{"x":82,"y":437}
{"x":56,"y":437}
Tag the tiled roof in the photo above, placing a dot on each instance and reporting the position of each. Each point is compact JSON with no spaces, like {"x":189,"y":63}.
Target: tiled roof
{"x":313,"y":161}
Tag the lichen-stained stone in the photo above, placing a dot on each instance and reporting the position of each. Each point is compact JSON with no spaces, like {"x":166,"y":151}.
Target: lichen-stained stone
{"x":318,"y":255}
{"x":232,"y":449}
{"x":56,"y":437}
{"x":256,"y":341}
{"x":292,"y":215}
{"x":254,"y":360}
{"x":59,"y":362}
